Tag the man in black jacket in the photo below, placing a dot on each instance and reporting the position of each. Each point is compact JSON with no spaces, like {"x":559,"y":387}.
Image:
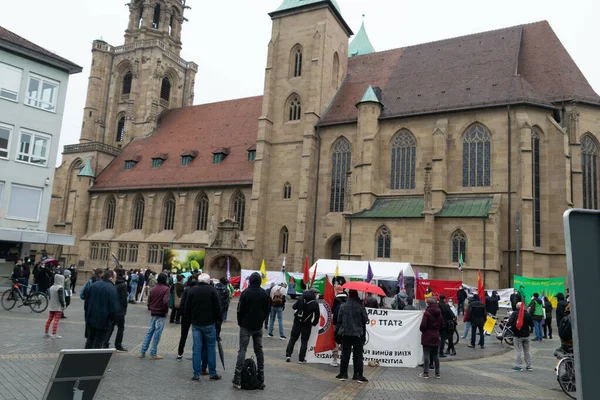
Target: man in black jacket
{"x":352,"y":319}
{"x":101,"y":306}
{"x":306,"y":316}
{"x":448,"y":317}
{"x":560,"y":307}
{"x":253,"y":308}
{"x":521,"y":338}
{"x":121,"y":285}
{"x":461,"y":297}
{"x":203,"y":310}
{"x":476,"y":315}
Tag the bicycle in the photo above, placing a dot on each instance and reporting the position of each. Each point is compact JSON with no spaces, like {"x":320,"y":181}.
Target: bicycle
{"x":38,"y":302}
{"x":565,"y":373}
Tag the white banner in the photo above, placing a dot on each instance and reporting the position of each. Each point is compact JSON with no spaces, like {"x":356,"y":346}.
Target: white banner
{"x":393,"y":339}
{"x":276,"y":277}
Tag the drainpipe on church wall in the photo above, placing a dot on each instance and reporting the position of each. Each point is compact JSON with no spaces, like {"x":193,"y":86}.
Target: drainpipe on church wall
{"x":314,"y":238}
{"x":484,"y":248}
{"x":509,"y":196}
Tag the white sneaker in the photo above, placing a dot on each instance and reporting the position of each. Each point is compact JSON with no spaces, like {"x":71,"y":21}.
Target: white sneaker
{"x":334,"y":364}
{"x":46,"y":335}
{"x":55,"y":337}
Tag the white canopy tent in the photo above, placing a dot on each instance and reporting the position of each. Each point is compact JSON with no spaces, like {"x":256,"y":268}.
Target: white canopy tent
{"x":385,"y":271}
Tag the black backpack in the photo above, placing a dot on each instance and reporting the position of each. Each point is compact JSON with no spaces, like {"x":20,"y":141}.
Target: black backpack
{"x":250,"y":375}
{"x":564,"y":329}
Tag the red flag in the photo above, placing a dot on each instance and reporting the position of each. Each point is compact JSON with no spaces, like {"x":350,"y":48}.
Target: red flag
{"x":521,"y":315}
{"x":480,"y":289}
{"x":312,"y":281}
{"x":326,"y":340}
{"x":306,"y":277}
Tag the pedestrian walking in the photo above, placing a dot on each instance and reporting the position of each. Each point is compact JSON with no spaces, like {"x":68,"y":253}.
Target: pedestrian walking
{"x":253,"y":308}
{"x":223,"y":291}
{"x":158,"y":305}
{"x":277,"y":302}
{"x":101,"y":306}
{"x":56,"y":306}
{"x":521,"y":338}
{"x":476,"y":315}
{"x":203,"y":309}
{"x":176,"y":310}
{"x":536,"y":309}
{"x":431,"y":324}
{"x":68,"y":291}
{"x":548,"y":319}
{"x":306,"y":316}
{"x":119,"y":322}
{"x":352,"y":320}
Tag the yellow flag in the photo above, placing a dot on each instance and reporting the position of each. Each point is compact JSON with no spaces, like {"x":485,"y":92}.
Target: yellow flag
{"x":337,"y":270}
{"x":263,"y":273}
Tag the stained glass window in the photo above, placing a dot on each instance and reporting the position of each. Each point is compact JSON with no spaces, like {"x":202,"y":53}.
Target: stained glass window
{"x":340,"y":166}
{"x":459,"y":246}
{"x":384,"y":242}
{"x":404,"y":150}
{"x":589,"y":172}
{"x":537,"y":218}
{"x":476,"y":157}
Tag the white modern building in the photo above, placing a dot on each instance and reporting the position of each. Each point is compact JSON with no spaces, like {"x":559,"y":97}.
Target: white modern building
{"x":33,"y":89}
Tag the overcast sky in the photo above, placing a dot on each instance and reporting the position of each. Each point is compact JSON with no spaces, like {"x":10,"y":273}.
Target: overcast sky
{"x":228,"y":38}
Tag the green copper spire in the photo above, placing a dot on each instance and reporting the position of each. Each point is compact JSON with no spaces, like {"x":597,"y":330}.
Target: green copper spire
{"x":289,"y":4}
{"x":370,"y":97}
{"x":361,"y":44}
{"x":86,"y":171}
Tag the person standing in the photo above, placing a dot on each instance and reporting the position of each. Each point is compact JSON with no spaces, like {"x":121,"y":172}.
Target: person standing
{"x":57,"y":305}
{"x":548,"y":320}
{"x":561,"y":306}
{"x":372,"y":301}
{"x":134,"y":285}
{"x":253,"y":308}
{"x":461,"y":297}
{"x":476,"y":315}
{"x":185,"y":322}
{"x":448,"y":326}
{"x":73,"y":270}
{"x":177,"y":295}
{"x":25,"y":276}
{"x":491,"y":303}
{"x":158,"y":305}
{"x":101,"y":306}
{"x":340,"y":298}
{"x":68,"y":291}
{"x":521,"y":339}
{"x":203,"y":309}
{"x":431,"y":324}
{"x":121,"y":285}
{"x":536,"y":309}
{"x":352,"y":320}
{"x":306,"y":316}
{"x":17,"y":274}
{"x":223,"y":292}
{"x":271,"y":285}
{"x":515,"y":298}
{"x":140,"y":288}
{"x":278,"y":300}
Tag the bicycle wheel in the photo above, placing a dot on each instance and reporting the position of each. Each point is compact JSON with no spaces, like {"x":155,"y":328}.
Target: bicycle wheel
{"x":565,"y":373}
{"x":455,"y":337}
{"x":509,"y":341}
{"x":38,"y":302}
{"x":8,"y":300}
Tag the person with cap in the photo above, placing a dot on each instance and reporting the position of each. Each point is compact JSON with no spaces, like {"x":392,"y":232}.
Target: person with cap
{"x":306,"y":316}
{"x":203,"y":310}
{"x":476,"y":315}
{"x":352,"y":320}
{"x":158,"y":305}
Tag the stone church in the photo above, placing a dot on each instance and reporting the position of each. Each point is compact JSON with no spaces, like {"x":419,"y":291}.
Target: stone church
{"x":467,"y":149}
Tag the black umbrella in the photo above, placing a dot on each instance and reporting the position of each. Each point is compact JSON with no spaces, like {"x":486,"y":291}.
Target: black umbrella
{"x":221,"y":354}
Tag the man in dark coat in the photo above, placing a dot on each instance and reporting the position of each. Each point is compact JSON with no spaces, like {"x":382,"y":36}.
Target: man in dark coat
{"x":431,"y":324}
{"x":43,"y":279}
{"x":461,"y":297}
{"x":101,"y":307}
{"x":476,"y":315}
{"x":448,"y":317}
{"x":252,"y":311}
{"x":306,"y":316}
{"x":121,"y":285}
{"x":223,"y":296}
{"x":514,"y":299}
{"x":491,"y":303}
{"x":560,"y":307}
{"x":73,"y":270}
{"x":521,"y":338}
{"x":352,"y":320}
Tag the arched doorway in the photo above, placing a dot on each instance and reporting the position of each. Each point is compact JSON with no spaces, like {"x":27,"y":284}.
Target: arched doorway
{"x":218,"y":267}
{"x":334,"y":247}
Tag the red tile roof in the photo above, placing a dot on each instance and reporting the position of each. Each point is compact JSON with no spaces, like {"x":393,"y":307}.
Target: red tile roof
{"x":22,"y":43}
{"x":525,"y":63}
{"x":232,"y":124}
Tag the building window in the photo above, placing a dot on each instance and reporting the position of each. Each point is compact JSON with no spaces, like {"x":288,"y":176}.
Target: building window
{"x":141,"y":17}
{"x":127,"y":79}
{"x":202,"y":212}
{"x":335,"y":73}
{"x":251,"y":155}
{"x":156,"y":19}
{"x":589,"y":172}
{"x":186,"y":160}
{"x":157,"y":162}
{"x":122,"y":253}
{"x":284,"y":237}
{"x":24,"y":203}
{"x":121,"y":129}
{"x":109,"y":213}
{"x":297,"y":52}
{"x":476,"y":157}
{"x":132,"y":255}
{"x":42,"y":93}
{"x":218,"y":158}
{"x":94,"y":250}
{"x":295,"y":109}
{"x":165,"y":89}
{"x":169,"y":207}
{"x":537,"y":220}
{"x":156,"y":253}
{"x":287,"y":191}
{"x":104,"y":251}
{"x":404,"y":150}
{"x":129,"y":164}
{"x":340,"y":166}
{"x":5,"y":133}
{"x":459,"y":246}
{"x":33,"y":148}
{"x":10,"y":82}
{"x":384,"y":242}
{"x":139,"y":206}
{"x":239,"y":209}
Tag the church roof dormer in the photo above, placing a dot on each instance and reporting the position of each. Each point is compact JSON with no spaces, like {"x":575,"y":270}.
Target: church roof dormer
{"x":361,"y":44}
{"x":289,"y":4}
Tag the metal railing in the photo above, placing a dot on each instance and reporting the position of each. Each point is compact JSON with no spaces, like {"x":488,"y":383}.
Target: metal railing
{"x":91,"y":146}
{"x":142,"y":44}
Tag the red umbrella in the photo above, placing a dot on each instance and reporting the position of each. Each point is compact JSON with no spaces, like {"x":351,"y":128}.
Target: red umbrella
{"x":364,"y":287}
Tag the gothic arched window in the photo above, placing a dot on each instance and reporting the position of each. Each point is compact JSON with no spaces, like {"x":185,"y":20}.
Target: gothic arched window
{"x":297,"y":61}
{"x":537,"y":215}
{"x":165,"y":89}
{"x":476,"y":157}
{"x":169,"y":213}
{"x":335,"y":73}
{"x":404,"y":151}
{"x":284,"y":240}
{"x":156,"y":19}
{"x":384,"y":242}
{"x":340,"y":166}
{"x":110,"y":210}
{"x":287,"y":191}
{"x":459,"y":246}
{"x":127,"y":79}
{"x":139,"y":206}
{"x":589,"y":172}
{"x":295,"y":108}
{"x":141,"y":16}
{"x":120,"y":130}
{"x":202,"y":212}
{"x":238,"y":210}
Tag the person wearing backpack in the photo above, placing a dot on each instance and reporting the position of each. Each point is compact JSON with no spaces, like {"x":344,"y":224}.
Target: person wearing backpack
{"x":252,"y":311}
{"x":521,"y":338}
{"x":223,"y":292}
{"x":536,"y":309}
{"x":400,"y":300}
{"x":277,"y":299}
{"x":306,"y":316}
{"x":565,"y":332}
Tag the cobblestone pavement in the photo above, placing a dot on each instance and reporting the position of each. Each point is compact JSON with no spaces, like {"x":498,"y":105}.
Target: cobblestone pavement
{"x":27,"y":361}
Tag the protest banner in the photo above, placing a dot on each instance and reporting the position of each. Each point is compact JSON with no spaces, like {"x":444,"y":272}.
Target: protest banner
{"x":393,"y":338}
{"x":449,"y":288}
{"x":490,"y":323}
{"x":548,"y":287}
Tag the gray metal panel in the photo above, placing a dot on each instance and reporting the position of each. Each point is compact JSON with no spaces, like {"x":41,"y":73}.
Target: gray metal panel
{"x":582,"y":241}
{"x":34,"y":237}
{"x":10,"y":235}
{"x":64,"y":240}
